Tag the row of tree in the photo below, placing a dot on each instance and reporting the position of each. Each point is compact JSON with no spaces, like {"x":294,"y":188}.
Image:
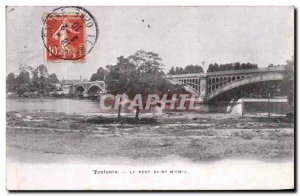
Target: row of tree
{"x":230,"y":66}
{"x":31,"y":80}
{"x":187,"y":70}
{"x":211,"y":68}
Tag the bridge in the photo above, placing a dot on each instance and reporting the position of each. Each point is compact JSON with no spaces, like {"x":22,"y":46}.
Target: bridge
{"x":83,"y":88}
{"x":226,"y":85}
{"x":212,"y":87}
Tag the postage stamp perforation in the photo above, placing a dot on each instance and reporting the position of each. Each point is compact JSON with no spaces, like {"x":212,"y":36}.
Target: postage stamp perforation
{"x":69,"y":34}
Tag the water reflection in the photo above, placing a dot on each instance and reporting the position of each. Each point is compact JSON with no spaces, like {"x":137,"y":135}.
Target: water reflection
{"x":53,"y":105}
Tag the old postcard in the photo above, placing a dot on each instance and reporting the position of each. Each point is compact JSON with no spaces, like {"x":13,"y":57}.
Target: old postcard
{"x":150,"y":98}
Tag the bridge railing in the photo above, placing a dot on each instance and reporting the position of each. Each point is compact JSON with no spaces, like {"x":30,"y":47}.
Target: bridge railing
{"x":81,"y":82}
{"x":185,"y":75}
{"x":265,"y":69}
{"x":93,"y":82}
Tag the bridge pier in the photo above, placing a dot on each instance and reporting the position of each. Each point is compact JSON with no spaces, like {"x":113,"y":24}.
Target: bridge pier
{"x":202,"y":107}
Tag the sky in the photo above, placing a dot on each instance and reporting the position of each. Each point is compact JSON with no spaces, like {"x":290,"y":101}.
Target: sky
{"x":180,"y":35}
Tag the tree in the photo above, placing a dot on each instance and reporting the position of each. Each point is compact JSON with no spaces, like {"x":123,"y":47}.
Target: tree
{"x":289,"y":69}
{"x":22,"y":82}
{"x":31,"y":80}
{"x":210,"y":68}
{"x":226,"y":67}
{"x":41,"y":71}
{"x":27,"y":68}
{"x":99,"y":75}
{"x":117,"y":77}
{"x":23,"y":77}
{"x":172,"y":71}
{"x":53,"y":78}
{"x":41,"y":81}
{"x":213,"y":67}
{"x":230,"y":66}
{"x":10,"y":82}
{"x":139,"y":73}
{"x":146,"y":62}
{"x":193,"y":69}
{"x":288,"y":80}
{"x":238,"y":66}
{"x":187,"y":70}
{"x":179,"y":70}
{"x":248,"y":66}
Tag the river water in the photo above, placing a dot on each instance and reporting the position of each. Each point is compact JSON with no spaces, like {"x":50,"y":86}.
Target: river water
{"x":86,"y":106}
{"x":77,"y":106}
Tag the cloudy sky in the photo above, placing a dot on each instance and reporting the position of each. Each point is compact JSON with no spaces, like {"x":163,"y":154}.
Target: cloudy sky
{"x":180,"y":35}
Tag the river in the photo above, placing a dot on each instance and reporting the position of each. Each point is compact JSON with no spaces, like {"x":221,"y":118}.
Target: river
{"x":77,"y":106}
{"x":87,"y":106}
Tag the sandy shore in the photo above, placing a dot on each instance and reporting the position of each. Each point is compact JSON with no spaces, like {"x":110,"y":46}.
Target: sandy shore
{"x":59,"y":138}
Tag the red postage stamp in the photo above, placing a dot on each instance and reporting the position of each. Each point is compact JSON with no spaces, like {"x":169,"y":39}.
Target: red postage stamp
{"x":65,"y":37}
{"x":69,"y":33}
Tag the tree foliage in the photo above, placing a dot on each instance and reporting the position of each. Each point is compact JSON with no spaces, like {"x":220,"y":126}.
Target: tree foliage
{"x":99,"y":75}
{"x":187,"y":70}
{"x":230,"y":66}
{"x":288,"y":80}
{"x":22,"y":82}
{"x":40,"y":81}
{"x":53,"y":78}
{"x":139,"y":73}
{"x":11,"y":82}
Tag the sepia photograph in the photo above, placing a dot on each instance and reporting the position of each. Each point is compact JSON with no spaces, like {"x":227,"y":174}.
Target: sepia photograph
{"x":150,"y":98}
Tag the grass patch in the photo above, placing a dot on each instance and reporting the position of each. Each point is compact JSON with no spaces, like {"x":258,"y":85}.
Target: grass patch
{"x":247,"y":135}
{"x":122,"y":120}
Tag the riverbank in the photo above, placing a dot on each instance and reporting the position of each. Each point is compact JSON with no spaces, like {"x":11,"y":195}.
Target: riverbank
{"x":59,"y":137}
{"x":49,"y":95}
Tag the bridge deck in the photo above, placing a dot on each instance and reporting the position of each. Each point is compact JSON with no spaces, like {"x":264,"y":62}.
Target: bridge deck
{"x":245,"y":71}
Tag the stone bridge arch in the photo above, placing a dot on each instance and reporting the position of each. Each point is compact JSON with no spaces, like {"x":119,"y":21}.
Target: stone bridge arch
{"x":80,"y":89}
{"x":94,"y":89}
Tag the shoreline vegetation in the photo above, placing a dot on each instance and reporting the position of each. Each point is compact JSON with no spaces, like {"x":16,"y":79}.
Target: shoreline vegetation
{"x":45,"y":95}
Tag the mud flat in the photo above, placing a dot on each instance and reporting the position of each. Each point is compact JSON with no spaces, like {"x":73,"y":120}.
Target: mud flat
{"x":58,"y":137}
{"x":196,"y":151}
